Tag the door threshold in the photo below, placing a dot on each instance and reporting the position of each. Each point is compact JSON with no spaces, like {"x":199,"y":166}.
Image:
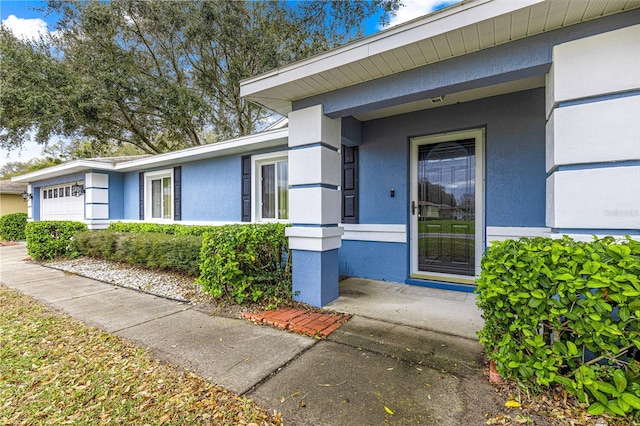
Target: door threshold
{"x":442,"y":285}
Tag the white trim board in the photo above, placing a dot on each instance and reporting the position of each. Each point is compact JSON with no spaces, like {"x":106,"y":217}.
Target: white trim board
{"x":375,"y":232}
{"x":500,"y":233}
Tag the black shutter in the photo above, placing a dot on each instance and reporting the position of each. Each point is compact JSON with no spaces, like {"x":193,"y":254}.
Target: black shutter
{"x":177,"y":193}
{"x":349,"y":184}
{"x":246,"y":188}
{"x":141,"y":192}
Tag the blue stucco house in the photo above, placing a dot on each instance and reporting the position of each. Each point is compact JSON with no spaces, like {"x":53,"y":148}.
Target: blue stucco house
{"x":407,"y":152}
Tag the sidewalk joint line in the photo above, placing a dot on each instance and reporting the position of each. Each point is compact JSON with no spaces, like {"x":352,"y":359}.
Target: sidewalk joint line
{"x":280,"y":368}
{"x":152,"y":319}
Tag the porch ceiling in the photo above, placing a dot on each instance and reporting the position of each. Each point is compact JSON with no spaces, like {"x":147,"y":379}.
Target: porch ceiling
{"x":455,"y":98}
{"x":465,"y":28}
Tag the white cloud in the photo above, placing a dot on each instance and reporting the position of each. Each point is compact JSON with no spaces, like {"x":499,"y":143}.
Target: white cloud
{"x":23,"y":28}
{"x":415,"y":8}
{"x":28,"y":151}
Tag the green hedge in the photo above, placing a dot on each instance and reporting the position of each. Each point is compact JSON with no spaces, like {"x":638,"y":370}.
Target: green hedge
{"x":567,"y":312}
{"x":246,"y":262}
{"x":12,"y":226}
{"x":50,"y":239}
{"x":180,"y":253}
{"x":158,"y":228}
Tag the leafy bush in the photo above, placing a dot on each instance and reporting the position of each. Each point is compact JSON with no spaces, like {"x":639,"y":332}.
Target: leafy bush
{"x":180,"y":253}
{"x":158,"y":228}
{"x":566,"y":312}
{"x":47,"y":240}
{"x":12,"y":226}
{"x":246,"y":262}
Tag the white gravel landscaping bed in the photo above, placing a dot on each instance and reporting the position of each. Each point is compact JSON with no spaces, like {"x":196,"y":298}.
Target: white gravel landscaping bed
{"x":165,"y":284}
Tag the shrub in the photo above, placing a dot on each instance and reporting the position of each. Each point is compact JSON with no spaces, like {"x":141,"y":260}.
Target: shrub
{"x":47,"y":240}
{"x":180,"y":253}
{"x":12,"y":226}
{"x":158,"y":228}
{"x":98,"y":244}
{"x":246,"y":262}
{"x":567,"y":312}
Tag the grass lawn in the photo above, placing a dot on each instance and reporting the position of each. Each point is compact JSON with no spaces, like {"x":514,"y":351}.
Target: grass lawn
{"x":56,"y":370}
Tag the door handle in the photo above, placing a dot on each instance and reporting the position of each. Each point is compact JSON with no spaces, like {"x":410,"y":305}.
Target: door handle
{"x":413,"y":208}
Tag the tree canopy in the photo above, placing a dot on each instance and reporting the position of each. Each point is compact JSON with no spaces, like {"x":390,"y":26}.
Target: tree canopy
{"x":161,"y":75}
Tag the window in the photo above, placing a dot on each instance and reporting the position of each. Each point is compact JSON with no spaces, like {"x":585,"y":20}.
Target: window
{"x":271,"y":187}
{"x":66,"y":191}
{"x":159,"y":195}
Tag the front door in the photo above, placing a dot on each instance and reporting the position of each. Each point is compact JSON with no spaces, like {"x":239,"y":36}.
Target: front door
{"x":446,"y":206}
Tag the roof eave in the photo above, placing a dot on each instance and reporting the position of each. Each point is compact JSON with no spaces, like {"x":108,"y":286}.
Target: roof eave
{"x":62,"y":170}
{"x":466,"y":13}
{"x":242,"y":144}
{"x":264,"y":140}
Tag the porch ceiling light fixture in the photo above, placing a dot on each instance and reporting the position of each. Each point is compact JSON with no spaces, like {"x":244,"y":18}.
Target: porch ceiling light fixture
{"x":77,"y":189}
{"x":437,"y":99}
{"x":26,"y":196}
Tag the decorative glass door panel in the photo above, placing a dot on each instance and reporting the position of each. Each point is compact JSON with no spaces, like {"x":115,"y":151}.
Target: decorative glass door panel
{"x":446,"y":207}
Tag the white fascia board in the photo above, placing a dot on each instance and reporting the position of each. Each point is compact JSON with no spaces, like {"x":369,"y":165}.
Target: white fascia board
{"x":242,"y":144}
{"x":440,"y":22}
{"x":64,"y":169}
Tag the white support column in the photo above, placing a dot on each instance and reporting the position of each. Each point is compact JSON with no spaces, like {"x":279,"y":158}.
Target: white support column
{"x":30,"y":203}
{"x":314,"y":204}
{"x":593,"y":135}
{"x":96,"y":200}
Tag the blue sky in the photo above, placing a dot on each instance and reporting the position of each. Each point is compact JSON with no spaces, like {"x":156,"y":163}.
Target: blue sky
{"x":19,"y":8}
{"x":25,"y":22}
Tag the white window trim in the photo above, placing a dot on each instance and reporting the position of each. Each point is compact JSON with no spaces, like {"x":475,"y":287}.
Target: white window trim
{"x":256,"y":192}
{"x":148,"y":177}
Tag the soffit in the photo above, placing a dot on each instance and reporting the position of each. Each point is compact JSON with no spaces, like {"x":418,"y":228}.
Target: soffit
{"x":382,"y":55}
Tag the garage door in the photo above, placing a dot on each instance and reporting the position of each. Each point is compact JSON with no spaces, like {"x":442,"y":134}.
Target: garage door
{"x":57,"y":203}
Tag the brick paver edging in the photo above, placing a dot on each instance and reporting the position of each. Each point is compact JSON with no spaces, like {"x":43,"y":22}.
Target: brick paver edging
{"x":299,"y":320}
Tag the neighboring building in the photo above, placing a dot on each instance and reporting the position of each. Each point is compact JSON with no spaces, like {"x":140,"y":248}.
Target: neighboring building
{"x":11,"y":200}
{"x":408,"y":151}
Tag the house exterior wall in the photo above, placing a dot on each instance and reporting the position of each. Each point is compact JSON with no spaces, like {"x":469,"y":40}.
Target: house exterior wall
{"x":116,"y":196}
{"x":515,"y":173}
{"x":130,"y":196}
{"x":211,"y":190}
{"x":12,"y":203}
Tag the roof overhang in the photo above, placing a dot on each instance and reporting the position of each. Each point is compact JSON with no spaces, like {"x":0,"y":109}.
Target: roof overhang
{"x":265,"y":140}
{"x":251,"y":143}
{"x":8,"y":187}
{"x":464,"y":28}
{"x":64,"y":169}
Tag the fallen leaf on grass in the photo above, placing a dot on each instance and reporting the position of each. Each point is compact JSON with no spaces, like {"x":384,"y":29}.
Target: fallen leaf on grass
{"x":388,"y":410}
{"x":512,"y":404}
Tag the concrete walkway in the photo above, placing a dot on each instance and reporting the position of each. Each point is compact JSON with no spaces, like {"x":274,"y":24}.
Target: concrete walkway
{"x":372,"y":362}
